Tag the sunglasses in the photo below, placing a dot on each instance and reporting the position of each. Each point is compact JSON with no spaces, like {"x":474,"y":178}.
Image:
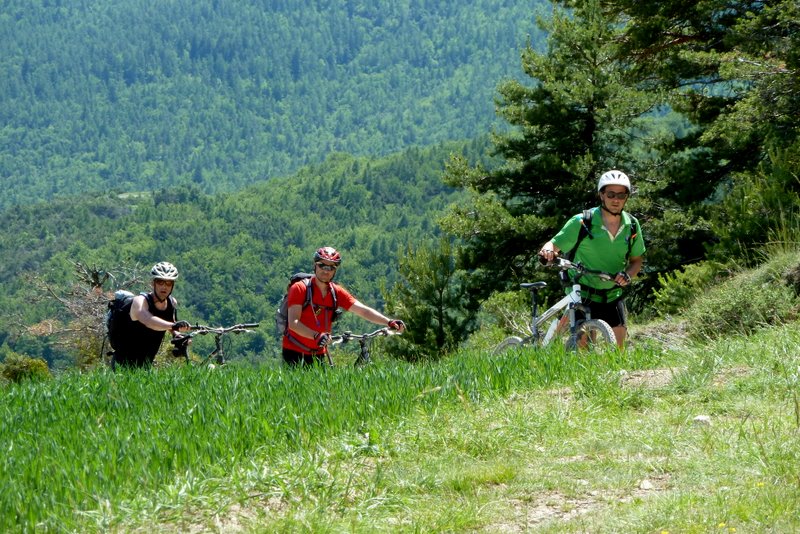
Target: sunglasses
{"x":613,"y":195}
{"x":326,"y":267}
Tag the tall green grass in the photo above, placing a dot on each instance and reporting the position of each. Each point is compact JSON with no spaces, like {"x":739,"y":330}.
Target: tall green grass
{"x":83,"y":442}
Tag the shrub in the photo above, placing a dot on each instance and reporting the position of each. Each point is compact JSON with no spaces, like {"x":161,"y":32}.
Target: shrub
{"x":17,"y":368}
{"x":680,"y":288}
{"x":743,"y":304}
{"x":510,"y":311}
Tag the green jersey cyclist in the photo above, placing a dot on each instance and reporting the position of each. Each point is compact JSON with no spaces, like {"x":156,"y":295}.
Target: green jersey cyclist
{"x":614,"y":244}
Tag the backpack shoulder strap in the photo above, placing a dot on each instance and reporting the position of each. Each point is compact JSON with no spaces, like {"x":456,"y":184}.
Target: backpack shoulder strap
{"x":584,"y":232}
{"x":635,"y":229}
{"x":333,"y":295}
{"x":309,"y":292}
{"x":586,"y":223}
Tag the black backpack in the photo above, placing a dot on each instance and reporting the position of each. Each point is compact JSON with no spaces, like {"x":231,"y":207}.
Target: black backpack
{"x":585,"y":231}
{"x":282,"y":313}
{"x":118,"y":307}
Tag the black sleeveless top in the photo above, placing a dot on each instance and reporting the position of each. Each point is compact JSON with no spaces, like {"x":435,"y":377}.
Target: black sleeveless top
{"x":139,"y":340}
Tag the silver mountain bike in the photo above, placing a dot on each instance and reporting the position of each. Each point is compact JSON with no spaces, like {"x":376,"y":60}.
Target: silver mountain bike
{"x":561,"y":322}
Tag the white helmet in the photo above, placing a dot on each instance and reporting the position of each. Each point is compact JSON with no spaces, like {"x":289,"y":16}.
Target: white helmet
{"x":614,"y":178}
{"x":164,"y":271}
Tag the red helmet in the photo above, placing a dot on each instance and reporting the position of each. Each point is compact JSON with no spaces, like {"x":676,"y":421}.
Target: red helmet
{"x":328,"y":254}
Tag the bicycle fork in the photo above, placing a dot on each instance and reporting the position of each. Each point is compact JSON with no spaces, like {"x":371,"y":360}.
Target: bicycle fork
{"x":363,"y":356}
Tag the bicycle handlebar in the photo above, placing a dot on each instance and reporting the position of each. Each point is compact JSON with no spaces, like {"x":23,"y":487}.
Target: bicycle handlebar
{"x":200,"y":329}
{"x":347,"y":336}
{"x":565,"y":264}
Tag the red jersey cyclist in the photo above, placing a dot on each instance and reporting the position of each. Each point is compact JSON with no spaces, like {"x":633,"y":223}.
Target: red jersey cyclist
{"x":309,"y":327}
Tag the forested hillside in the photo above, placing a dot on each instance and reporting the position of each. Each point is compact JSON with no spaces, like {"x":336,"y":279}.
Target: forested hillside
{"x":235,"y":251}
{"x":179,"y":110}
{"x":138,"y":96}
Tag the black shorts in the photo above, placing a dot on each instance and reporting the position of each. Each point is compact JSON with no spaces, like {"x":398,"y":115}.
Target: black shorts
{"x":294,"y":357}
{"x":614,"y":313}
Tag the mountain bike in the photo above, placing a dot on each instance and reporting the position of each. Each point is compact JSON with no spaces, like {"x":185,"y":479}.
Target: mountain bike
{"x":364,"y":341}
{"x":584,"y":332}
{"x":181,"y":342}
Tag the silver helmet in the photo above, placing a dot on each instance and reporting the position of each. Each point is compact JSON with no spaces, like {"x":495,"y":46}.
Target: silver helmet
{"x":164,"y":271}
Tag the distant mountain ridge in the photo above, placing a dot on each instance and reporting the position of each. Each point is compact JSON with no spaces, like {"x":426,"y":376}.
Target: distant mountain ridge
{"x":135,"y":95}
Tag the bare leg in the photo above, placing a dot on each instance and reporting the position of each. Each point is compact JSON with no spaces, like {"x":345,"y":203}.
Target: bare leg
{"x":620,"y":332}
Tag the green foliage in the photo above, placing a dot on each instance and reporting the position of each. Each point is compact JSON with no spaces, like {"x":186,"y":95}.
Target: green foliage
{"x":508,"y":310}
{"x":728,"y":75}
{"x":747,"y":302}
{"x":680,"y":288}
{"x":758,"y":206}
{"x":18,"y":368}
{"x":431,"y":298}
{"x":183,"y":105}
{"x":219,"y":95}
{"x":234,"y":251}
{"x":574,"y":120}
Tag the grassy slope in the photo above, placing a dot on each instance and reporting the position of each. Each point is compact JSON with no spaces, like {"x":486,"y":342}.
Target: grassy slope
{"x":603,"y":455}
{"x":545,"y":443}
{"x":590,"y":451}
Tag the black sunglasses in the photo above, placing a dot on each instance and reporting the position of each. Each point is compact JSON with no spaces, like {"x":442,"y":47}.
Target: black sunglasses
{"x":326,"y":267}
{"x":612,"y":195}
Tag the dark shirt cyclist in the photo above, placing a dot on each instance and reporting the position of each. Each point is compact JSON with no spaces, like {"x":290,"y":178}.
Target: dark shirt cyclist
{"x":616,"y":246}
{"x":151,"y":314}
{"x":309,"y":327}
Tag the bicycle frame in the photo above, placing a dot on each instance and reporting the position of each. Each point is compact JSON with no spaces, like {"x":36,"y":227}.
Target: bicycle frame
{"x":571,"y":302}
{"x":219,"y":352}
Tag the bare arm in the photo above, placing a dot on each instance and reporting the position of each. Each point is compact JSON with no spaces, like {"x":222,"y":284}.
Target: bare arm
{"x":293,"y":319}
{"x":633,"y":268}
{"x":140,"y":312}
{"x":372,"y":315}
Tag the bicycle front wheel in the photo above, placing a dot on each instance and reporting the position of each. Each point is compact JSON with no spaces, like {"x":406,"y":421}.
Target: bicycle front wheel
{"x":507,"y":345}
{"x":594,"y":334}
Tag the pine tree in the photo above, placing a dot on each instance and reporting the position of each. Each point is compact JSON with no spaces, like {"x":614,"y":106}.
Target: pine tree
{"x":575,"y":120}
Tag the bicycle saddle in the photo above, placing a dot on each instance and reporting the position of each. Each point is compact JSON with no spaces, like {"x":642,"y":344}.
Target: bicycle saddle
{"x":533,"y":285}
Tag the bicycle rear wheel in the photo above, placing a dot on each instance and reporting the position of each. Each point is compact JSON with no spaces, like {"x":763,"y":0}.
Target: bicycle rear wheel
{"x":594,"y":335}
{"x":507,"y":345}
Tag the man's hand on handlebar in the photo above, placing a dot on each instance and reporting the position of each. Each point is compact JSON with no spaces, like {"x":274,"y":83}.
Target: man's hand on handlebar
{"x":322,"y":339}
{"x":547,"y":254}
{"x":181,"y":326}
{"x":622,"y":279}
{"x":544,"y":261}
{"x":397,"y":324}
